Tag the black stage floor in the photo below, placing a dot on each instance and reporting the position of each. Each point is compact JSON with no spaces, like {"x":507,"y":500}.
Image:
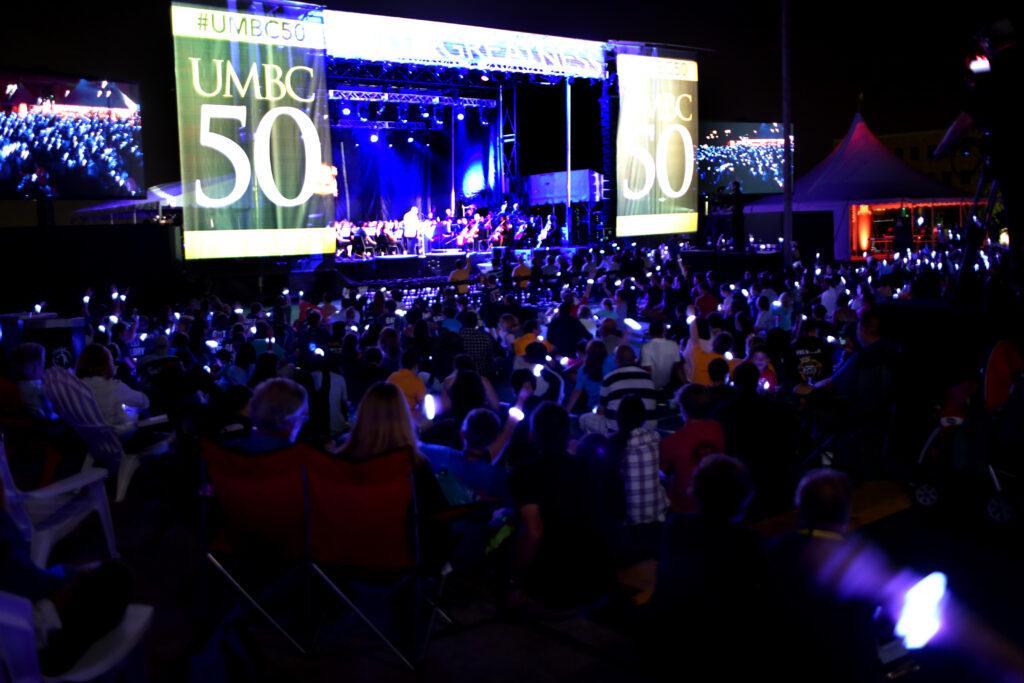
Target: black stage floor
{"x":438,"y":263}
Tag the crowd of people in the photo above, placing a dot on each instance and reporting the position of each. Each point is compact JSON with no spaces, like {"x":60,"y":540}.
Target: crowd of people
{"x":609,"y":404}
{"x":54,"y":154}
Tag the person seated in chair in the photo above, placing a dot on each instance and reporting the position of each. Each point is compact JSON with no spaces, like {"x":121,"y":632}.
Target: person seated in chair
{"x":278,"y":410}
{"x":119,"y":404}
{"x":569,"y":509}
{"x":27,"y":363}
{"x":711,"y":570}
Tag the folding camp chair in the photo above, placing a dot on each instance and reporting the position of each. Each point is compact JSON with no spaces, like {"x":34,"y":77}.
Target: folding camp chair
{"x":262,"y":499}
{"x":76,"y":404}
{"x":365,"y":528}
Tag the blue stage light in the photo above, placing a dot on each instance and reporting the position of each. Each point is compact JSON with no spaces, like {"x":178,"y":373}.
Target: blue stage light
{"x":409,"y":139}
{"x":374,"y":137}
{"x":345,"y":111}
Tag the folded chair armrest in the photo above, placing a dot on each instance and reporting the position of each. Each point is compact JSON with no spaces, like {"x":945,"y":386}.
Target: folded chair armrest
{"x":84,"y":478}
{"x":155,"y":420}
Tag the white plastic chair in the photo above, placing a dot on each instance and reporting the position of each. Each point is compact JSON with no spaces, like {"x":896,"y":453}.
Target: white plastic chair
{"x":21,"y":661}
{"x":48,"y":514}
{"x":76,"y":404}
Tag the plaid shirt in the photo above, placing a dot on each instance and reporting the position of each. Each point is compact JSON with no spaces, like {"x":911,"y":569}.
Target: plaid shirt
{"x":479,"y":346}
{"x":646,"y":499}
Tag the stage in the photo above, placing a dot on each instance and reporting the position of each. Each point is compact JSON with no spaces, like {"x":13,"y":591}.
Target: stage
{"x":396,"y":268}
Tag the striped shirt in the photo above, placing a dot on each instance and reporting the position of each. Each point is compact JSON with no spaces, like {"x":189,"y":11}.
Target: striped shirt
{"x":623,"y":381}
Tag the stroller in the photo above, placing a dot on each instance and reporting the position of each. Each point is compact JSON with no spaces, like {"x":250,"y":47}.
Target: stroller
{"x":976,"y":446}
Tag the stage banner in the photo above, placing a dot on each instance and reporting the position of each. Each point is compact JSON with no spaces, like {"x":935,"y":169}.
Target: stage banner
{"x":657,"y":188}
{"x":254,"y":132}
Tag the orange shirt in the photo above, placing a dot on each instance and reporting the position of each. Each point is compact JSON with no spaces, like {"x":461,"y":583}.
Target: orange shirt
{"x":460,"y":275}
{"x":522,"y":270}
{"x":411,"y":386}
{"x":519,"y":346}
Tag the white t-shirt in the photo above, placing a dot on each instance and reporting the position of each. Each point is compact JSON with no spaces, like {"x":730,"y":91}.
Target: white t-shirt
{"x":112,"y":397}
{"x":660,"y":355}
{"x":829,"y":298}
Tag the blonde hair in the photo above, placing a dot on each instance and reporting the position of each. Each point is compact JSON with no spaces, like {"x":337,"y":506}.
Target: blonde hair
{"x":95,"y":361}
{"x":383,"y":424}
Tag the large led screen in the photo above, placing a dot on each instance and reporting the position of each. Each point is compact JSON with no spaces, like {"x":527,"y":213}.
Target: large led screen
{"x":656,"y":177}
{"x":750,"y":153}
{"x":69,"y":138}
{"x":255,"y":139}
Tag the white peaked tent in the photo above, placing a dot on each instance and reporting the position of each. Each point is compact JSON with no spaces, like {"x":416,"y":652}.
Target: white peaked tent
{"x":860,"y":171}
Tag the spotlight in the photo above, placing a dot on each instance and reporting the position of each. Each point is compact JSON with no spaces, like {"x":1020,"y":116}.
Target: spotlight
{"x":363,"y":110}
{"x":380,"y":108}
{"x":374,"y":137}
{"x":409,"y":139}
{"x":460,"y":112}
{"x":425,"y":112}
{"x":345,"y":111}
{"x":483,"y":118}
{"x":403,"y":113}
{"x":485,"y":77}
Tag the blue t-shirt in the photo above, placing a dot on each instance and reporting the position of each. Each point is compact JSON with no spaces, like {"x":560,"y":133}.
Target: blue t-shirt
{"x":590,"y":388}
{"x":465,"y":480}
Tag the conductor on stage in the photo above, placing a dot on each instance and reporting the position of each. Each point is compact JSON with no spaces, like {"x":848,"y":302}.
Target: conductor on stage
{"x":411,"y":221}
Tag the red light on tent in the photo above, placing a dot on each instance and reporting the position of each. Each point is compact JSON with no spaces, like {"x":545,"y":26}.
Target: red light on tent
{"x":864,"y":220}
{"x":22,"y":109}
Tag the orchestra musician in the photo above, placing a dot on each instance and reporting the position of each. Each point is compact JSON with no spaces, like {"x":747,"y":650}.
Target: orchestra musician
{"x":393,"y":237}
{"x":343,"y":235}
{"x":371,"y":236}
{"x":545,"y":233}
{"x":469,"y":234}
{"x":498,"y":234}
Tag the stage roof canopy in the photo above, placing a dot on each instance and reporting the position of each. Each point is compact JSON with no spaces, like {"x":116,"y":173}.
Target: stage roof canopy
{"x":374,"y":38}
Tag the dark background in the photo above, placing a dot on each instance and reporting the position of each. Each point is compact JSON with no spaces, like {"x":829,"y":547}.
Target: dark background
{"x":906,"y":59}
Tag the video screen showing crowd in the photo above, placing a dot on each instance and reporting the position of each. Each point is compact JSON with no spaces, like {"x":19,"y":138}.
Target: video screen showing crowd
{"x":750,"y":153}
{"x":476,"y":229}
{"x":69,"y":138}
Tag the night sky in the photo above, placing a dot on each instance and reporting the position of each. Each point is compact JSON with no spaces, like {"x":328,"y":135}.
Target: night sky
{"x":905,"y":58}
